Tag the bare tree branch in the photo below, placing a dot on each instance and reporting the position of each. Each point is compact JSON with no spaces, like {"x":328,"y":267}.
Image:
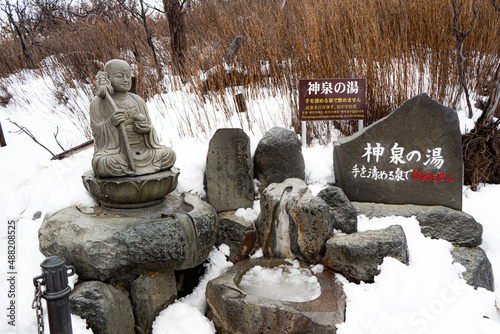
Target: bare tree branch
{"x":141,"y":16}
{"x":26,"y":131}
{"x":129,"y":9}
{"x":460,"y":36}
{"x":17,"y":25}
{"x":154,"y":8}
{"x":178,"y":40}
{"x":495,"y":5}
{"x":493,"y":101}
{"x":185,"y":5}
{"x":57,"y":141}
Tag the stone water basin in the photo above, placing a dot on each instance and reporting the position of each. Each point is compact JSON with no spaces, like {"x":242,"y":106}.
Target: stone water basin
{"x":236,"y":307}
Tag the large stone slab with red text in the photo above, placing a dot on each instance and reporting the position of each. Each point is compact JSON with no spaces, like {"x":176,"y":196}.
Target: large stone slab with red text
{"x":412,"y":156}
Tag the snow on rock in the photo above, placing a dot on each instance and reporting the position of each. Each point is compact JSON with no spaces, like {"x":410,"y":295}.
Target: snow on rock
{"x":249,"y":214}
{"x":79,"y":325}
{"x":182,"y":318}
{"x":427,"y":296}
{"x":186,"y":315}
{"x":259,"y":253}
{"x":481,"y":204}
{"x":318,"y":166}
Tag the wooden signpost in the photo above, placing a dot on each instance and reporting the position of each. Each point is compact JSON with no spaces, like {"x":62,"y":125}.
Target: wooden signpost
{"x":331,"y":100}
{"x":2,"y":138}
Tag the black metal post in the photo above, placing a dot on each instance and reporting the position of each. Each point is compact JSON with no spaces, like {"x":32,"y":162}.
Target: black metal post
{"x":55,"y":273}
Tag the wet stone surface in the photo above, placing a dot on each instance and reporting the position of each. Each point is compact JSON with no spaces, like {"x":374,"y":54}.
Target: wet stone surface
{"x":292,"y":222}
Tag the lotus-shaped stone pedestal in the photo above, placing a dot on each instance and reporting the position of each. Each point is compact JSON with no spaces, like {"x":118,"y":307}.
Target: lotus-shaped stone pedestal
{"x":131,"y":192}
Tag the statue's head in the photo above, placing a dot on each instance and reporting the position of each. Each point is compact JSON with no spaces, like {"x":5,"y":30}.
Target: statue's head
{"x":120,"y":75}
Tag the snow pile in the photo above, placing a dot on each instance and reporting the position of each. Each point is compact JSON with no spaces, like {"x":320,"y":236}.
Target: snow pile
{"x":249,"y":214}
{"x":427,"y":296}
{"x":186,"y":315}
{"x":189,"y":160}
{"x":318,"y":166}
{"x":259,"y":253}
{"x":182,"y":318}
{"x":284,"y":282}
{"x":481,"y":205}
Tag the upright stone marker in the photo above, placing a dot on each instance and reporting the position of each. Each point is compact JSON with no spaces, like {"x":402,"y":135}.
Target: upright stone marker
{"x":278,"y":157}
{"x":229,"y":171}
{"x":412,"y":156}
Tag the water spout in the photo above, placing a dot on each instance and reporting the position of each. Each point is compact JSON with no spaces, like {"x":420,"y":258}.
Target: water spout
{"x":281,"y":235}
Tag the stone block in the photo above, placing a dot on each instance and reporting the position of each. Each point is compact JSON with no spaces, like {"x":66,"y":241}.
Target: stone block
{"x":412,"y":156}
{"x":479,"y":273}
{"x":345,"y":216}
{"x":437,"y":222}
{"x":357,"y":256}
{"x":240,"y":235}
{"x":106,"y":309}
{"x":229,"y":172}
{"x":151,"y":293}
{"x":235,"y":311}
{"x":114,"y":245}
{"x":188,"y":279}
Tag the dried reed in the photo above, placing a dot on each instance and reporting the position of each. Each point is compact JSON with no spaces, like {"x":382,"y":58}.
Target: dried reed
{"x":401,"y":47}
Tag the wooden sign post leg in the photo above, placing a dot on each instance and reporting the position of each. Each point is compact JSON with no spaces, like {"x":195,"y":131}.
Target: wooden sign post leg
{"x":2,"y":138}
{"x":304,"y":134}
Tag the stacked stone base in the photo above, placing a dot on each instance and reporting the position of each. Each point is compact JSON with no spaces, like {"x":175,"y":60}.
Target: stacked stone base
{"x":125,"y":259}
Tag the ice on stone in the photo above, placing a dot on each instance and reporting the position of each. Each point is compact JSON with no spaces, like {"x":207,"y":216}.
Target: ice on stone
{"x":287,"y":282}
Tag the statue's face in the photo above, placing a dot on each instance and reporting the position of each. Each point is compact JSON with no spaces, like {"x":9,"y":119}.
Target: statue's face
{"x":120,"y":76}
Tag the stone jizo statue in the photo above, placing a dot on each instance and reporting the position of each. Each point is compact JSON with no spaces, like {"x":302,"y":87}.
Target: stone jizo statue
{"x":125,"y":140}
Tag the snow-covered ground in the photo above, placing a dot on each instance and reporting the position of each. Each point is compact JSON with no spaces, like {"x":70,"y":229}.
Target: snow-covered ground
{"x":427,"y":296}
